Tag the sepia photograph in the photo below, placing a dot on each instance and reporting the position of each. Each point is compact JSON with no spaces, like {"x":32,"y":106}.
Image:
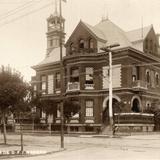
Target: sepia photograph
{"x":79,"y":79}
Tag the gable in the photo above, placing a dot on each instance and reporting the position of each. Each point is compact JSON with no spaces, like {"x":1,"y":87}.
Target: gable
{"x":150,"y":43}
{"x":152,"y":36}
{"x":138,"y":34}
{"x":85,"y":30}
{"x":79,"y":32}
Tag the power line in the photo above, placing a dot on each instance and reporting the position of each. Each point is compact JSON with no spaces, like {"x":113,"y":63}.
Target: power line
{"x":24,"y":15}
{"x":14,"y":11}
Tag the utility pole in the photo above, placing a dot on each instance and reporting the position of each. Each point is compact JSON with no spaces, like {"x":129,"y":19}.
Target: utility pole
{"x":108,"y":50}
{"x":61,"y":73}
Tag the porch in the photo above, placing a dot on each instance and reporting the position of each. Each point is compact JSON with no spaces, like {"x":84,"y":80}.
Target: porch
{"x":133,"y":122}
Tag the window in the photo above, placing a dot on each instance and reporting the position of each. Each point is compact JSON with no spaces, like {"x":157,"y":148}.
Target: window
{"x":89,"y":108}
{"x":148,"y":76}
{"x":89,"y":75}
{"x":50,"y":84}
{"x":43,"y":114}
{"x":58,"y":110}
{"x":135,"y":73}
{"x":152,"y":79}
{"x":58,"y":80}
{"x":81,"y":44}
{"x":43,"y":84}
{"x":35,"y":87}
{"x":75,"y":75}
{"x":157,"y":79}
{"x":91,"y":44}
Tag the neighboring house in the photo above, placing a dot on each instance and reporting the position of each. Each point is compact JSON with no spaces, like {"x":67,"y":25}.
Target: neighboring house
{"x":136,"y":70}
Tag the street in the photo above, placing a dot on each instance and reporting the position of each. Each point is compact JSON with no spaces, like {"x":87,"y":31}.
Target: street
{"x":136,"y":147}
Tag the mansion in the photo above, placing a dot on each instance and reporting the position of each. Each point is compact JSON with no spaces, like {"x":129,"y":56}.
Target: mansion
{"x":135,"y":77}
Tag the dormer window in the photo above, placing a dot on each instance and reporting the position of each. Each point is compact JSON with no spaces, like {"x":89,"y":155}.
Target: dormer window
{"x":91,"y":44}
{"x":81,"y":44}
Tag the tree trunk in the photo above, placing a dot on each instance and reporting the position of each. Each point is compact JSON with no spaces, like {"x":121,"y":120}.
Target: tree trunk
{"x":4,"y":128}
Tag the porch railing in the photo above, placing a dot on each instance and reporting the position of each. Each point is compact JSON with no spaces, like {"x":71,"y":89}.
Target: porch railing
{"x":133,"y":118}
{"x":73,"y":86}
{"x":139,"y":84}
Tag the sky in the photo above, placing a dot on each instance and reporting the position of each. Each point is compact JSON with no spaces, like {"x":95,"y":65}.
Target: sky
{"x":23,"y":24}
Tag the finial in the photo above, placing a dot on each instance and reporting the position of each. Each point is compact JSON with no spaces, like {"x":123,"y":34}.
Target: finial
{"x":105,"y":13}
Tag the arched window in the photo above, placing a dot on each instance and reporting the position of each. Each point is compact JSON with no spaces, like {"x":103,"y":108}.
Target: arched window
{"x":91,"y":43}
{"x":157,"y":79}
{"x":148,"y":76}
{"x":81,"y":44}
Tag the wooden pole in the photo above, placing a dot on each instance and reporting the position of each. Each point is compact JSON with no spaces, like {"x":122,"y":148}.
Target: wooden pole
{"x":61,"y":72}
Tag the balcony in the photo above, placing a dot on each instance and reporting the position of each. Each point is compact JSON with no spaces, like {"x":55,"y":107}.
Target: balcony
{"x":139,"y":84}
{"x":89,"y":86}
{"x":73,"y":86}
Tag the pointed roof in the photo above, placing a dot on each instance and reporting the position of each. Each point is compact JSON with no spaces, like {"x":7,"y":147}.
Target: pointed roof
{"x":53,"y":57}
{"x":97,"y":32}
{"x":138,"y":34}
{"x":113,"y":33}
{"x":107,"y":32}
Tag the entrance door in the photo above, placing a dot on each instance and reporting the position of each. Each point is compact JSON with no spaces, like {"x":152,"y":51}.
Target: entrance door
{"x":136,"y":105}
{"x":105,"y":116}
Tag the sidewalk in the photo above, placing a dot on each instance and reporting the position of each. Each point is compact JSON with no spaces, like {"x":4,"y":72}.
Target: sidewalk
{"x":33,"y":145}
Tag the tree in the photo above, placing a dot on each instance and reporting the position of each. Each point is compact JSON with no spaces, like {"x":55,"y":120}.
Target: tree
{"x":155,"y":109}
{"x":13,"y":91}
{"x":49,"y":106}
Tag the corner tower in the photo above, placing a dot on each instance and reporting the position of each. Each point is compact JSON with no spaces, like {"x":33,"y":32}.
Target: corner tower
{"x":54,"y":31}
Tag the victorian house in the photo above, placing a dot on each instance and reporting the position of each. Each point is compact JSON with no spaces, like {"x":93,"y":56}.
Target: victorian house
{"x":136,"y":71}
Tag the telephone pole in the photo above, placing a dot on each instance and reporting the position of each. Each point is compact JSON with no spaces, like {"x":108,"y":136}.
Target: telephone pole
{"x":108,"y":50}
{"x":61,"y":73}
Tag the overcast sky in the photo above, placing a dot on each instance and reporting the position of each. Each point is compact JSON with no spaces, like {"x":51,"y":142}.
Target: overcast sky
{"x":23,"y":31}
